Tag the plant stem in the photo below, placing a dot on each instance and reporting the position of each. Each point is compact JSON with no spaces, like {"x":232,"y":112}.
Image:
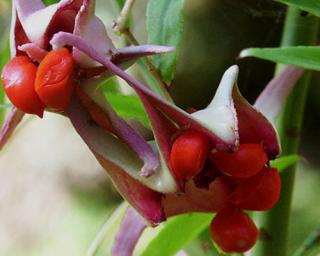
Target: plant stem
{"x":150,"y":72}
{"x":122,"y":21}
{"x":299,"y":29}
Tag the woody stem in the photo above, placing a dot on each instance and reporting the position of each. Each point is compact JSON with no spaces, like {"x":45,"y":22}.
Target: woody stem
{"x":150,"y":73}
{"x":122,"y":21}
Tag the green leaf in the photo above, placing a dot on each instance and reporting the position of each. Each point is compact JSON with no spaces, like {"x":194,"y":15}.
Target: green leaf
{"x":302,"y":56}
{"x":202,"y":245}
{"x":151,"y":81}
{"x":284,"y":162}
{"x":312,"y":6}
{"x":176,"y":233}
{"x":120,"y":3}
{"x":4,"y":57}
{"x":128,"y":107}
{"x":165,"y":23}
{"x":48,"y":2}
{"x":111,"y":85}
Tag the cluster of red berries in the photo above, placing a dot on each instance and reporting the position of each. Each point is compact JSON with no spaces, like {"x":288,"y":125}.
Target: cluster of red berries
{"x":254,"y":185}
{"x":32,"y":88}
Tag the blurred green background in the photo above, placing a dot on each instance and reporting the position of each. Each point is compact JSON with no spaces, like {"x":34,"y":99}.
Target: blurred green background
{"x":54,"y":197}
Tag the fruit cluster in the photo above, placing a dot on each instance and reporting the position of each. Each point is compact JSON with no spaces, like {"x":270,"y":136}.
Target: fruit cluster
{"x":32,"y":88}
{"x":254,"y":185}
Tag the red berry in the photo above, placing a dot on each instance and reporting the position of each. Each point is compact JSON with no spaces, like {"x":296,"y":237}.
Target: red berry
{"x":233,"y":231}
{"x":188,"y":154}
{"x":247,"y":161}
{"x":18,"y":78}
{"x":54,"y":81}
{"x":260,"y":192}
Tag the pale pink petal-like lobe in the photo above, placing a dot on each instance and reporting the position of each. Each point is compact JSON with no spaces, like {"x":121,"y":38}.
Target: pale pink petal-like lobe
{"x":92,"y":30}
{"x":273,"y":97}
{"x":131,"y":229}
{"x":119,"y":127}
{"x":26,"y":27}
{"x":26,"y":8}
{"x":134,"y":52}
{"x":119,"y":161}
{"x":34,"y":52}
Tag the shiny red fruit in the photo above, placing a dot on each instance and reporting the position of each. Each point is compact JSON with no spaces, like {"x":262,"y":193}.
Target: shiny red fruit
{"x":188,"y":154}
{"x":260,"y":192}
{"x":233,"y":231}
{"x":54,"y":81}
{"x":247,"y":161}
{"x":18,"y":78}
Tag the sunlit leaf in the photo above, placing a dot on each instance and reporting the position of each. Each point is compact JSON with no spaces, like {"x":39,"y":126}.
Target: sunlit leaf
{"x":312,"y":6}
{"x":48,"y":2}
{"x":284,"y":162}
{"x":176,"y":233}
{"x":128,"y":107}
{"x":110,"y":85}
{"x":120,"y":3}
{"x":165,"y":22}
{"x":202,"y":245}
{"x":302,"y":56}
